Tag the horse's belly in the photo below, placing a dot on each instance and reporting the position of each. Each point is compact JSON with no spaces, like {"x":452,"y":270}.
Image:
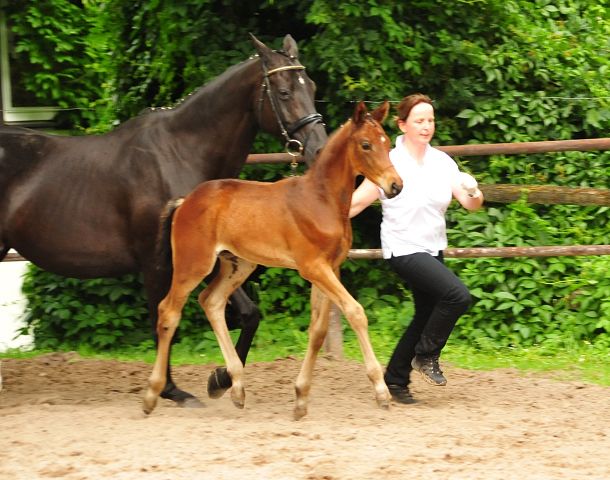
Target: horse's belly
{"x":77,"y":259}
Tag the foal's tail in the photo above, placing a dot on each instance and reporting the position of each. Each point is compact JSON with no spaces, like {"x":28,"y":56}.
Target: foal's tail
{"x":164,"y":238}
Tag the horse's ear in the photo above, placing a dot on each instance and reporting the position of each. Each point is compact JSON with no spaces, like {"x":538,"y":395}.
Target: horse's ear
{"x":263,"y":50}
{"x":381,"y":112}
{"x":359,"y":113}
{"x":290,"y":46}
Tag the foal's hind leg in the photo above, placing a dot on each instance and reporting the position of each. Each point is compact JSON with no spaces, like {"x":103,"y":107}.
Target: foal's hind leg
{"x":220,"y":381}
{"x":170,"y":312}
{"x":157,"y":282}
{"x":191,"y":265}
{"x":233,"y":272}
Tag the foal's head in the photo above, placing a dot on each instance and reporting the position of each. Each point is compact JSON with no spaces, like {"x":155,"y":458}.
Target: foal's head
{"x":370,"y":152}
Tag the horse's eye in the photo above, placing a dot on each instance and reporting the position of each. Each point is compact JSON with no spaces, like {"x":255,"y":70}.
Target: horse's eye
{"x":283,"y":93}
{"x":366,"y":146}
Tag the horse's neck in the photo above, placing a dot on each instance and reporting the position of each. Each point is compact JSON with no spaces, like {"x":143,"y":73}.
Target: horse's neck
{"x":219,"y":117}
{"x":332,"y":174}
{"x":223,"y":96}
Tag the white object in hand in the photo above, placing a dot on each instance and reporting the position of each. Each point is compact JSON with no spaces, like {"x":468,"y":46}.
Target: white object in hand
{"x":469,"y":184}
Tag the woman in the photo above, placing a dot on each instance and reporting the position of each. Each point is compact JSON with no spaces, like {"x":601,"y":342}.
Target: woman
{"x":413,"y":237}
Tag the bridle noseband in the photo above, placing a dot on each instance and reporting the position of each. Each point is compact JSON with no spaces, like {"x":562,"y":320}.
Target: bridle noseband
{"x":286,"y":129}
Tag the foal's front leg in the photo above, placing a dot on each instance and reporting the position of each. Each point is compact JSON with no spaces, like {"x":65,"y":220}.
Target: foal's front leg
{"x":354,"y":314}
{"x":320,"y":309}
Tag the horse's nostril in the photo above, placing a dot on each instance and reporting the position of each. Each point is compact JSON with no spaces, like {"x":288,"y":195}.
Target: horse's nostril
{"x":396,"y":189}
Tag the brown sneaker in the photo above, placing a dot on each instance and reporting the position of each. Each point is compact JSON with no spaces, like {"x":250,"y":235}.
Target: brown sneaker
{"x":429,"y":369}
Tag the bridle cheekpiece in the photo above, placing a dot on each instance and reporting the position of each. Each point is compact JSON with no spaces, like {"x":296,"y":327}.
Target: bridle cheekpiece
{"x":293,"y":146}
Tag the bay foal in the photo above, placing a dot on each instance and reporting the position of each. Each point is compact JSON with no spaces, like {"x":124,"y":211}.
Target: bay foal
{"x":298,"y":222}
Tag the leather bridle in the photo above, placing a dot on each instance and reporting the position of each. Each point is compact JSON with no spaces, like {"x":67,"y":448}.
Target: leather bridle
{"x":293,"y":146}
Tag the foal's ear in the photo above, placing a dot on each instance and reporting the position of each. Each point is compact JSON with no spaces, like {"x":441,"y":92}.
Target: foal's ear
{"x":290,"y":46}
{"x":360,"y":113}
{"x":263,"y":50}
{"x":381,"y":112}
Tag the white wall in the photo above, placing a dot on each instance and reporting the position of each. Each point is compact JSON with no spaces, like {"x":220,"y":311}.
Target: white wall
{"x":12,"y":305}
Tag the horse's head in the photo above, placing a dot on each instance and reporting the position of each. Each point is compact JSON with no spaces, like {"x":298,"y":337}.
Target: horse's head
{"x":286,"y":104}
{"x":370,"y":149}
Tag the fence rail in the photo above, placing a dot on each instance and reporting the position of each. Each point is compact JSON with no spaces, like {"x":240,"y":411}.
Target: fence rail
{"x":499,"y":252}
{"x":476,"y":150}
{"x":503,"y":252}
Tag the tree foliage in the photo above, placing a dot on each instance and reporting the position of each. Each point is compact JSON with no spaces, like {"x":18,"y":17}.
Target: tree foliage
{"x":498,"y":71}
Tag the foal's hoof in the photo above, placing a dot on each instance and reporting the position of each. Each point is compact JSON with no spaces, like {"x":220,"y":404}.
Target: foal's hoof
{"x":190,"y":402}
{"x":149,"y":401}
{"x":218,"y":383}
{"x":238,"y":402}
{"x":148,"y":406}
{"x":384,"y":404}
{"x":299,"y":412}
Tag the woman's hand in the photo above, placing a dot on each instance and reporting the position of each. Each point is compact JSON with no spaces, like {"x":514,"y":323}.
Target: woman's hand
{"x":466,"y":190}
{"x":468,"y":183}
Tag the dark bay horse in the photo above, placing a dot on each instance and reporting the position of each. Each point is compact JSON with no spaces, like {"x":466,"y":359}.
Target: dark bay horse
{"x":300,"y":223}
{"x":89,"y":207}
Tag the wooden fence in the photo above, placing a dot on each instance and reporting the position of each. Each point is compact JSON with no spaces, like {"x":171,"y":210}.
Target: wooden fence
{"x":545,"y":194}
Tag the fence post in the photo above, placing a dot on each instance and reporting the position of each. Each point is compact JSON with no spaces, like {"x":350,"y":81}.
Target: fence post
{"x":333,"y":343}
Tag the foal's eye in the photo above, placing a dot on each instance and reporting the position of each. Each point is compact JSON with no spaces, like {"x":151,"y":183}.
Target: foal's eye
{"x":366,"y":146}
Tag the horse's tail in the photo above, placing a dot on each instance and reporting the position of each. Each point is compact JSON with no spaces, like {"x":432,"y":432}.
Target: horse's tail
{"x":164,"y":238}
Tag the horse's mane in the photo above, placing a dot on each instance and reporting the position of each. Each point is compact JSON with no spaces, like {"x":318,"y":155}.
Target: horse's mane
{"x":184,"y":99}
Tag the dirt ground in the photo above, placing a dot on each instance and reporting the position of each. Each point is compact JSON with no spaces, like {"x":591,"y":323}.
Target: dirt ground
{"x":65,"y":417}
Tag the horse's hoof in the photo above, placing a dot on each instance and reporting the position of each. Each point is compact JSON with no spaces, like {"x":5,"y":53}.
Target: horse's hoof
{"x":190,"y":402}
{"x":218,"y":383}
{"x":383,"y":404}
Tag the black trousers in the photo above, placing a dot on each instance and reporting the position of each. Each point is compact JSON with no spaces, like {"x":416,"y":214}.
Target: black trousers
{"x":440,"y":298}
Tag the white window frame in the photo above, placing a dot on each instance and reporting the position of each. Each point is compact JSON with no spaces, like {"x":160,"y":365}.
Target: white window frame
{"x":10,"y":113}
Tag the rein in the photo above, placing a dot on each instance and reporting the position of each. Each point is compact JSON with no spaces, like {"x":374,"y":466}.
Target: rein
{"x":293,"y":146}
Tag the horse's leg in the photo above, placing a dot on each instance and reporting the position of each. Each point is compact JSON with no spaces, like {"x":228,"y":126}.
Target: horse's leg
{"x":325,"y":279}
{"x":233,"y":272}
{"x":3,"y":251}
{"x":220,"y":381}
{"x":320,"y":308}
{"x":157,"y":283}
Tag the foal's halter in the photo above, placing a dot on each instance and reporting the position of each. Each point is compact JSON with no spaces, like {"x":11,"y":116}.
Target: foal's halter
{"x":293,"y":146}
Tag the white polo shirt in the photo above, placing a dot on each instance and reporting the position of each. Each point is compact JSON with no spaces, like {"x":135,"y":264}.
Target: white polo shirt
{"x":414,"y":220}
